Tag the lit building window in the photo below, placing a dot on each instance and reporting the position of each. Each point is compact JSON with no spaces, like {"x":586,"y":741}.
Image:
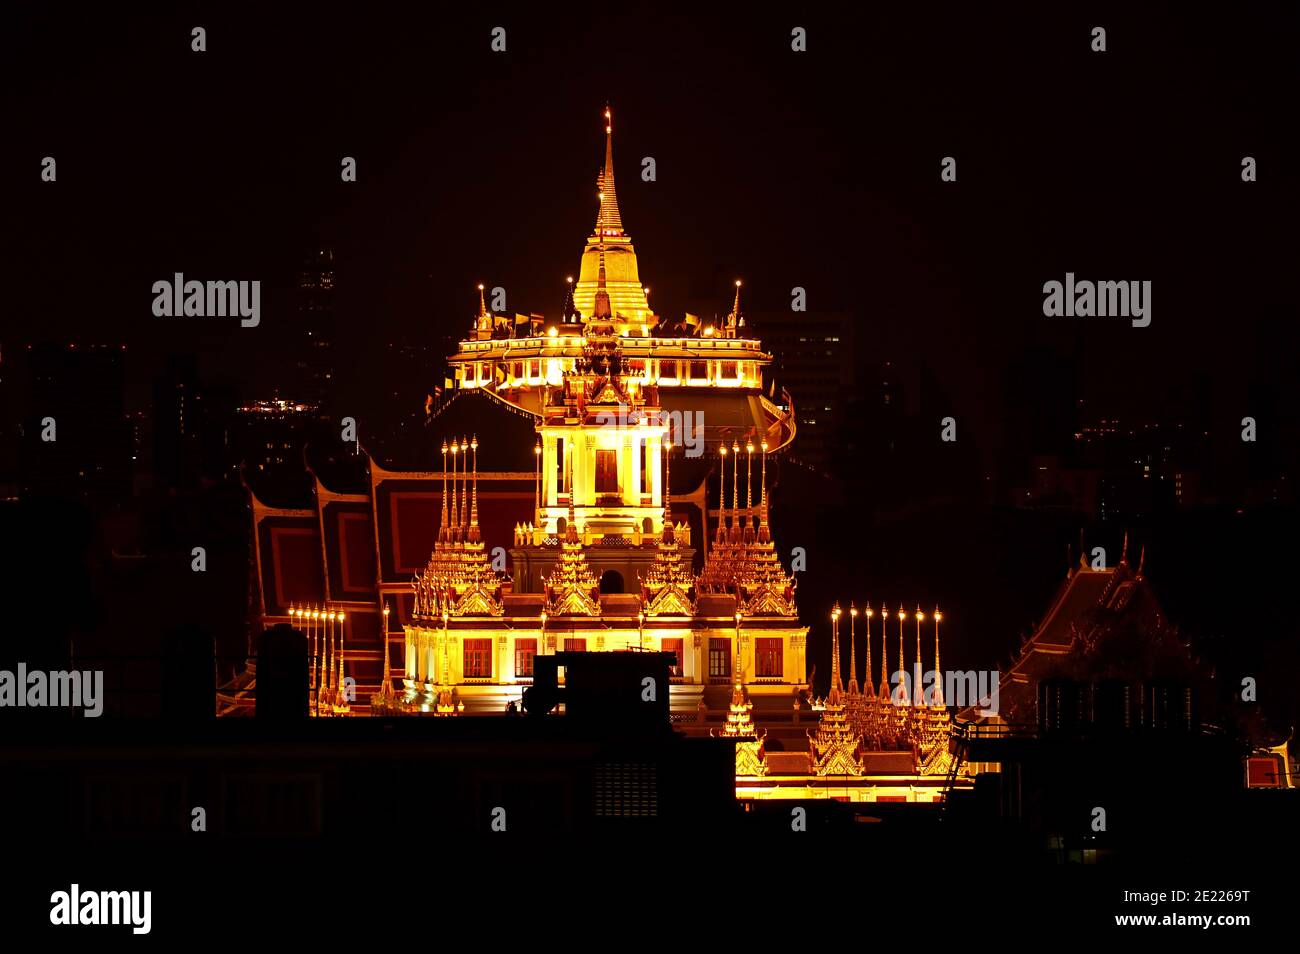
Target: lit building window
{"x":673,"y":646}
{"x":719,"y":658}
{"x":525,"y":651}
{"x":768,"y":655}
{"x":478,"y":659}
{"x":607,"y":472}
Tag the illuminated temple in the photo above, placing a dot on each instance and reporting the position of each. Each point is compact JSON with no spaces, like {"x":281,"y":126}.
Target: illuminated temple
{"x":598,"y":482}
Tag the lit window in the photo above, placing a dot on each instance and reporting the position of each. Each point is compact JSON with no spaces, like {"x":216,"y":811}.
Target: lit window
{"x":768,"y":657}
{"x":525,"y":651}
{"x":478,"y":658}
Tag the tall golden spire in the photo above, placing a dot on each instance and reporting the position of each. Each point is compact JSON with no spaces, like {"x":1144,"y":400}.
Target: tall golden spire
{"x":571,"y":531}
{"x":722,"y":494}
{"x":938,"y":671}
{"x":608,"y":219}
{"x":464,"y":489}
{"x":442,"y":526}
{"x":853,"y":649}
{"x":473,"y":518}
{"x":455,"y":504}
{"x":609,"y":250}
{"x":902,"y":654}
{"x":668,"y":506}
{"x":836,"y":687}
{"x":733,"y":320}
{"x":884,"y":650}
{"x":867,"y":687}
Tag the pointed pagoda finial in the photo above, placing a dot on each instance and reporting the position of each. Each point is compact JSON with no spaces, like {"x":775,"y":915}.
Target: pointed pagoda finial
{"x":1123,"y":553}
{"x":455,"y":500}
{"x":733,"y":320}
{"x":853,"y":648}
{"x":1142,"y":559}
{"x":734,"y":532}
{"x":442,"y":526}
{"x":668,"y":536}
{"x":722,"y":492}
{"x":464,"y":479}
{"x":569,"y":309}
{"x":836,"y":687}
{"x":473,"y":519}
{"x":571,"y":532}
{"x":938,"y":671}
{"x":867,"y":613}
{"x":608,"y":219}
{"x":884,"y":649}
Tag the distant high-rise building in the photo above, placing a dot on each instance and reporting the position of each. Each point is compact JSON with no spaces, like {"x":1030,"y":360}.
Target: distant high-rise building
{"x":10,"y":426}
{"x":317,"y":324}
{"x":270,"y":435}
{"x":77,"y":396}
{"x":176,"y":421}
{"x":812,"y":358}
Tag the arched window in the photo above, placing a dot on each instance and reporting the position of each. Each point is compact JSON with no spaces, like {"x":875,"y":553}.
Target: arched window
{"x":611,"y":581}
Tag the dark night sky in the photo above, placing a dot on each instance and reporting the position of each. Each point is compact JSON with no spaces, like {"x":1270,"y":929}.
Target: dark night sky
{"x":818,"y":169}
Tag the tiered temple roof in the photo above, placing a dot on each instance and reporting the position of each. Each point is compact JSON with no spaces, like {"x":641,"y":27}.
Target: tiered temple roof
{"x":458,"y":579}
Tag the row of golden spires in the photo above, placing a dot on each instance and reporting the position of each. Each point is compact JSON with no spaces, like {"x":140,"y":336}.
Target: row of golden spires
{"x":462,"y":526}
{"x":321,"y":624}
{"x":869,"y":613}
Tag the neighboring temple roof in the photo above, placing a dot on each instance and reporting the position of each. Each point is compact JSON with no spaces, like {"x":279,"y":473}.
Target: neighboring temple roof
{"x":1102,"y":623}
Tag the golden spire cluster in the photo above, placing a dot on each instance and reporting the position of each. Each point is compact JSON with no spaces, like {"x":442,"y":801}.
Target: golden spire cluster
{"x":322,"y":624}
{"x":668,"y":588}
{"x":906,"y":714}
{"x":836,"y":747}
{"x":743,"y":558}
{"x":458,"y":579}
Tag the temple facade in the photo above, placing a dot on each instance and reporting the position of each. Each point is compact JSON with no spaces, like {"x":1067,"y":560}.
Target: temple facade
{"x":602,"y":563}
{"x":598,"y":482}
